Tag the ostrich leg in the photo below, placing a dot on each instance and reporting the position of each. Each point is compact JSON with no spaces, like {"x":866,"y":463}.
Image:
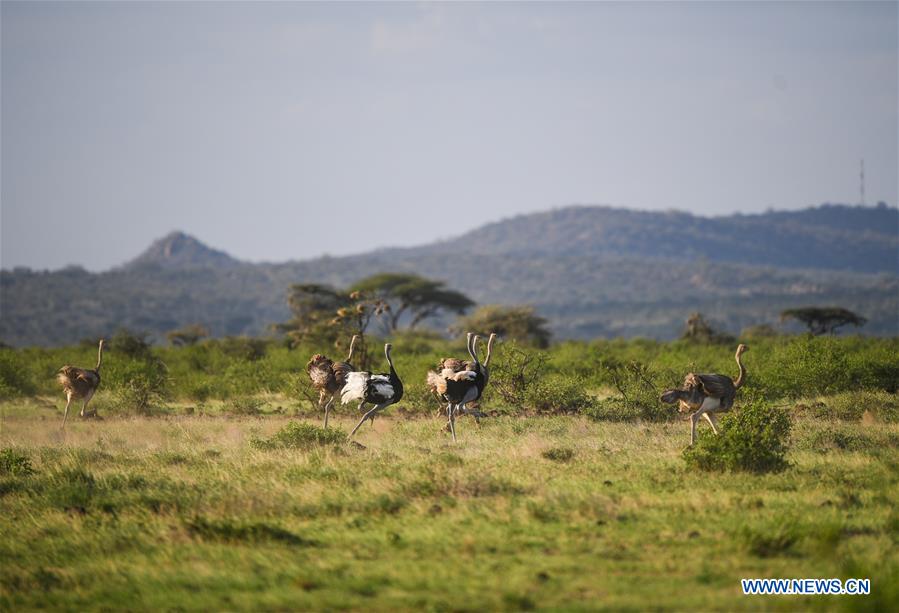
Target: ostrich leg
{"x":87,"y":399}
{"x":451,"y":419}
{"x":68,"y":404}
{"x":370,"y":415}
{"x":328,"y":410}
{"x":693,"y":419}
{"x":710,"y":417}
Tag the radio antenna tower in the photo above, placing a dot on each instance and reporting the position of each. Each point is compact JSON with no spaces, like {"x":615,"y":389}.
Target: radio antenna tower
{"x":861,"y":182}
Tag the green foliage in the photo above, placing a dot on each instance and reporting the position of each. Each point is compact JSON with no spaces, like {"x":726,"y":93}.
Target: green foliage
{"x":14,"y":381}
{"x":852,"y":406}
{"x":558,"y":454}
{"x":517,"y":323}
{"x":129,"y":343}
{"x":698,"y":330}
{"x":138,"y":386}
{"x":15,"y":463}
{"x":555,"y":394}
{"x":243,"y":347}
{"x":636,"y":384}
{"x":515,"y":376}
{"x":187,"y":335}
{"x":754,"y":438}
{"x":301,"y":435}
{"x":405,"y":293}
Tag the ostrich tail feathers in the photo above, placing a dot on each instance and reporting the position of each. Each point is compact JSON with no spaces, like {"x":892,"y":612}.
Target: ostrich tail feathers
{"x":356,"y":382}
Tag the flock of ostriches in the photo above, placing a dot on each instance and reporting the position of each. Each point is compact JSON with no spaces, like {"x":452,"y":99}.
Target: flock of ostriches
{"x":457,"y":382}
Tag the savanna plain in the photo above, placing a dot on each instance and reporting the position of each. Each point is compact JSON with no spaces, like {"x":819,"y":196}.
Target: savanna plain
{"x":206,"y":482}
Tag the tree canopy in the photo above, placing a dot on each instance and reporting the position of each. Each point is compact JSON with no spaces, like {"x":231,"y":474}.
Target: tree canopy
{"x":824,"y":320}
{"x":404,"y":293}
{"x":519,"y":323}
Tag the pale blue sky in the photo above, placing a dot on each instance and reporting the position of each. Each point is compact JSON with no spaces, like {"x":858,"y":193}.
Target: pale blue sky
{"x":287,"y":130}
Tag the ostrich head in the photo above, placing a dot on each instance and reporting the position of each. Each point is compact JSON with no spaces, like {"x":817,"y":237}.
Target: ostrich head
{"x":741,"y":349}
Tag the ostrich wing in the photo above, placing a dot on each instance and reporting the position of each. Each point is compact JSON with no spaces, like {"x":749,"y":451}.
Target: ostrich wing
{"x":453,"y":364}
{"x":380,"y":389}
{"x":341,"y":370}
{"x":717,"y":386}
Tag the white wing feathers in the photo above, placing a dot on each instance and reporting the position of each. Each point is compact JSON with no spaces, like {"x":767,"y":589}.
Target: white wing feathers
{"x":356,"y":382}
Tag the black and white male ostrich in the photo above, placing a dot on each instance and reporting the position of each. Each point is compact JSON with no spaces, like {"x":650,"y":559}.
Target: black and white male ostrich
{"x":460,"y":388}
{"x":380,"y":390}
{"x":329,"y":377}
{"x":705,"y":395}
{"x":80,"y":383}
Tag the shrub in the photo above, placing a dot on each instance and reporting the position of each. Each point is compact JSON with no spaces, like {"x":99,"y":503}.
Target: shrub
{"x":558,"y":394}
{"x":15,"y":463}
{"x":243,"y":347}
{"x":755,"y":439}
{"x":516,"y":374}
{"x":14,"y":379}
{"x":558,"y":454}
{"x":245,"y":405}
{"x":300,"y":435}
{"x":638,"y":394}
{"x":142,"y":389}
{"x":131,"y":344}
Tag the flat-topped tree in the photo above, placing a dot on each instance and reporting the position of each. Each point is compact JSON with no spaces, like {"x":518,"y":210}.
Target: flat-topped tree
{"x":516,"y":322}
{"x":824,"y":320}
{"x":403,"y":293}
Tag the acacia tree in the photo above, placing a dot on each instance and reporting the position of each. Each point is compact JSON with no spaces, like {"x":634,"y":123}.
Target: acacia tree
{"x":188,"y":335}
{"x":519,"y":323}
{"x":824,"y":320}
{"x":324,"y":314}
{"x":398,"y":294}
{"x":313,"y":307}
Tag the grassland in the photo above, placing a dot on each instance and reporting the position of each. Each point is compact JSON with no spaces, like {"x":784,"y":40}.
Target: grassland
{"x":539,"y":512}
{"x":192,"y":501}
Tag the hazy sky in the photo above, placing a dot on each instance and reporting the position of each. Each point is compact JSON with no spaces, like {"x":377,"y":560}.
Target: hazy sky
{"x":280,"y":130}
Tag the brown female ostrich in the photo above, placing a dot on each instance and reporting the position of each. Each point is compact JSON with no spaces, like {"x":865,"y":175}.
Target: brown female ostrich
{"x":329,"y":377}
{"x":79,"y":383}
{"x":705,"y":395}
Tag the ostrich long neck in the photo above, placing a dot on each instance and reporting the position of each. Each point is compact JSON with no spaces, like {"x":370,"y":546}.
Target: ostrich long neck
{"x":349,"y":357}
{"x":389,"y":361}
{"x":489,"y":349}
{"x":741,"y":379}
{"x":472,"y":350}
{"x":99,"y":357}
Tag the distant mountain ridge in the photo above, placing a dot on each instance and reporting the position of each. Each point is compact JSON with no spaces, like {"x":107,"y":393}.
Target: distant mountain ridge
{"x":179,"y":250}
{"x":836,"y":237}
{"x":593,"y":271}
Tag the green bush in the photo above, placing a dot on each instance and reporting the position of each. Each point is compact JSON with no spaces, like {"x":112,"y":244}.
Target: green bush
{"x":558,"y":454}
{"x":754,"y":438}
{"x":15,"y":463}
{"x":638,"y":387}
{"x":558,"y":394}
{"x":14,"y":380}
{"x":300,"y":435}
{"x":245,"y":405}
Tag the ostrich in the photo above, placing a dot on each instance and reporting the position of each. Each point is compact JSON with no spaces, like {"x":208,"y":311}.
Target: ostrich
{"x":380,"y":390}
{"x":462,"y":387}
{"x":705,"y":395}
{"x":329,"y":377}
{"x":446,"y":367}
{"x":80,"y":383}
{"x":485,"y":371}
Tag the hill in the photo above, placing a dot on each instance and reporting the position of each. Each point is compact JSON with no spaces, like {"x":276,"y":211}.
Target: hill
{"x":593,"y":271}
